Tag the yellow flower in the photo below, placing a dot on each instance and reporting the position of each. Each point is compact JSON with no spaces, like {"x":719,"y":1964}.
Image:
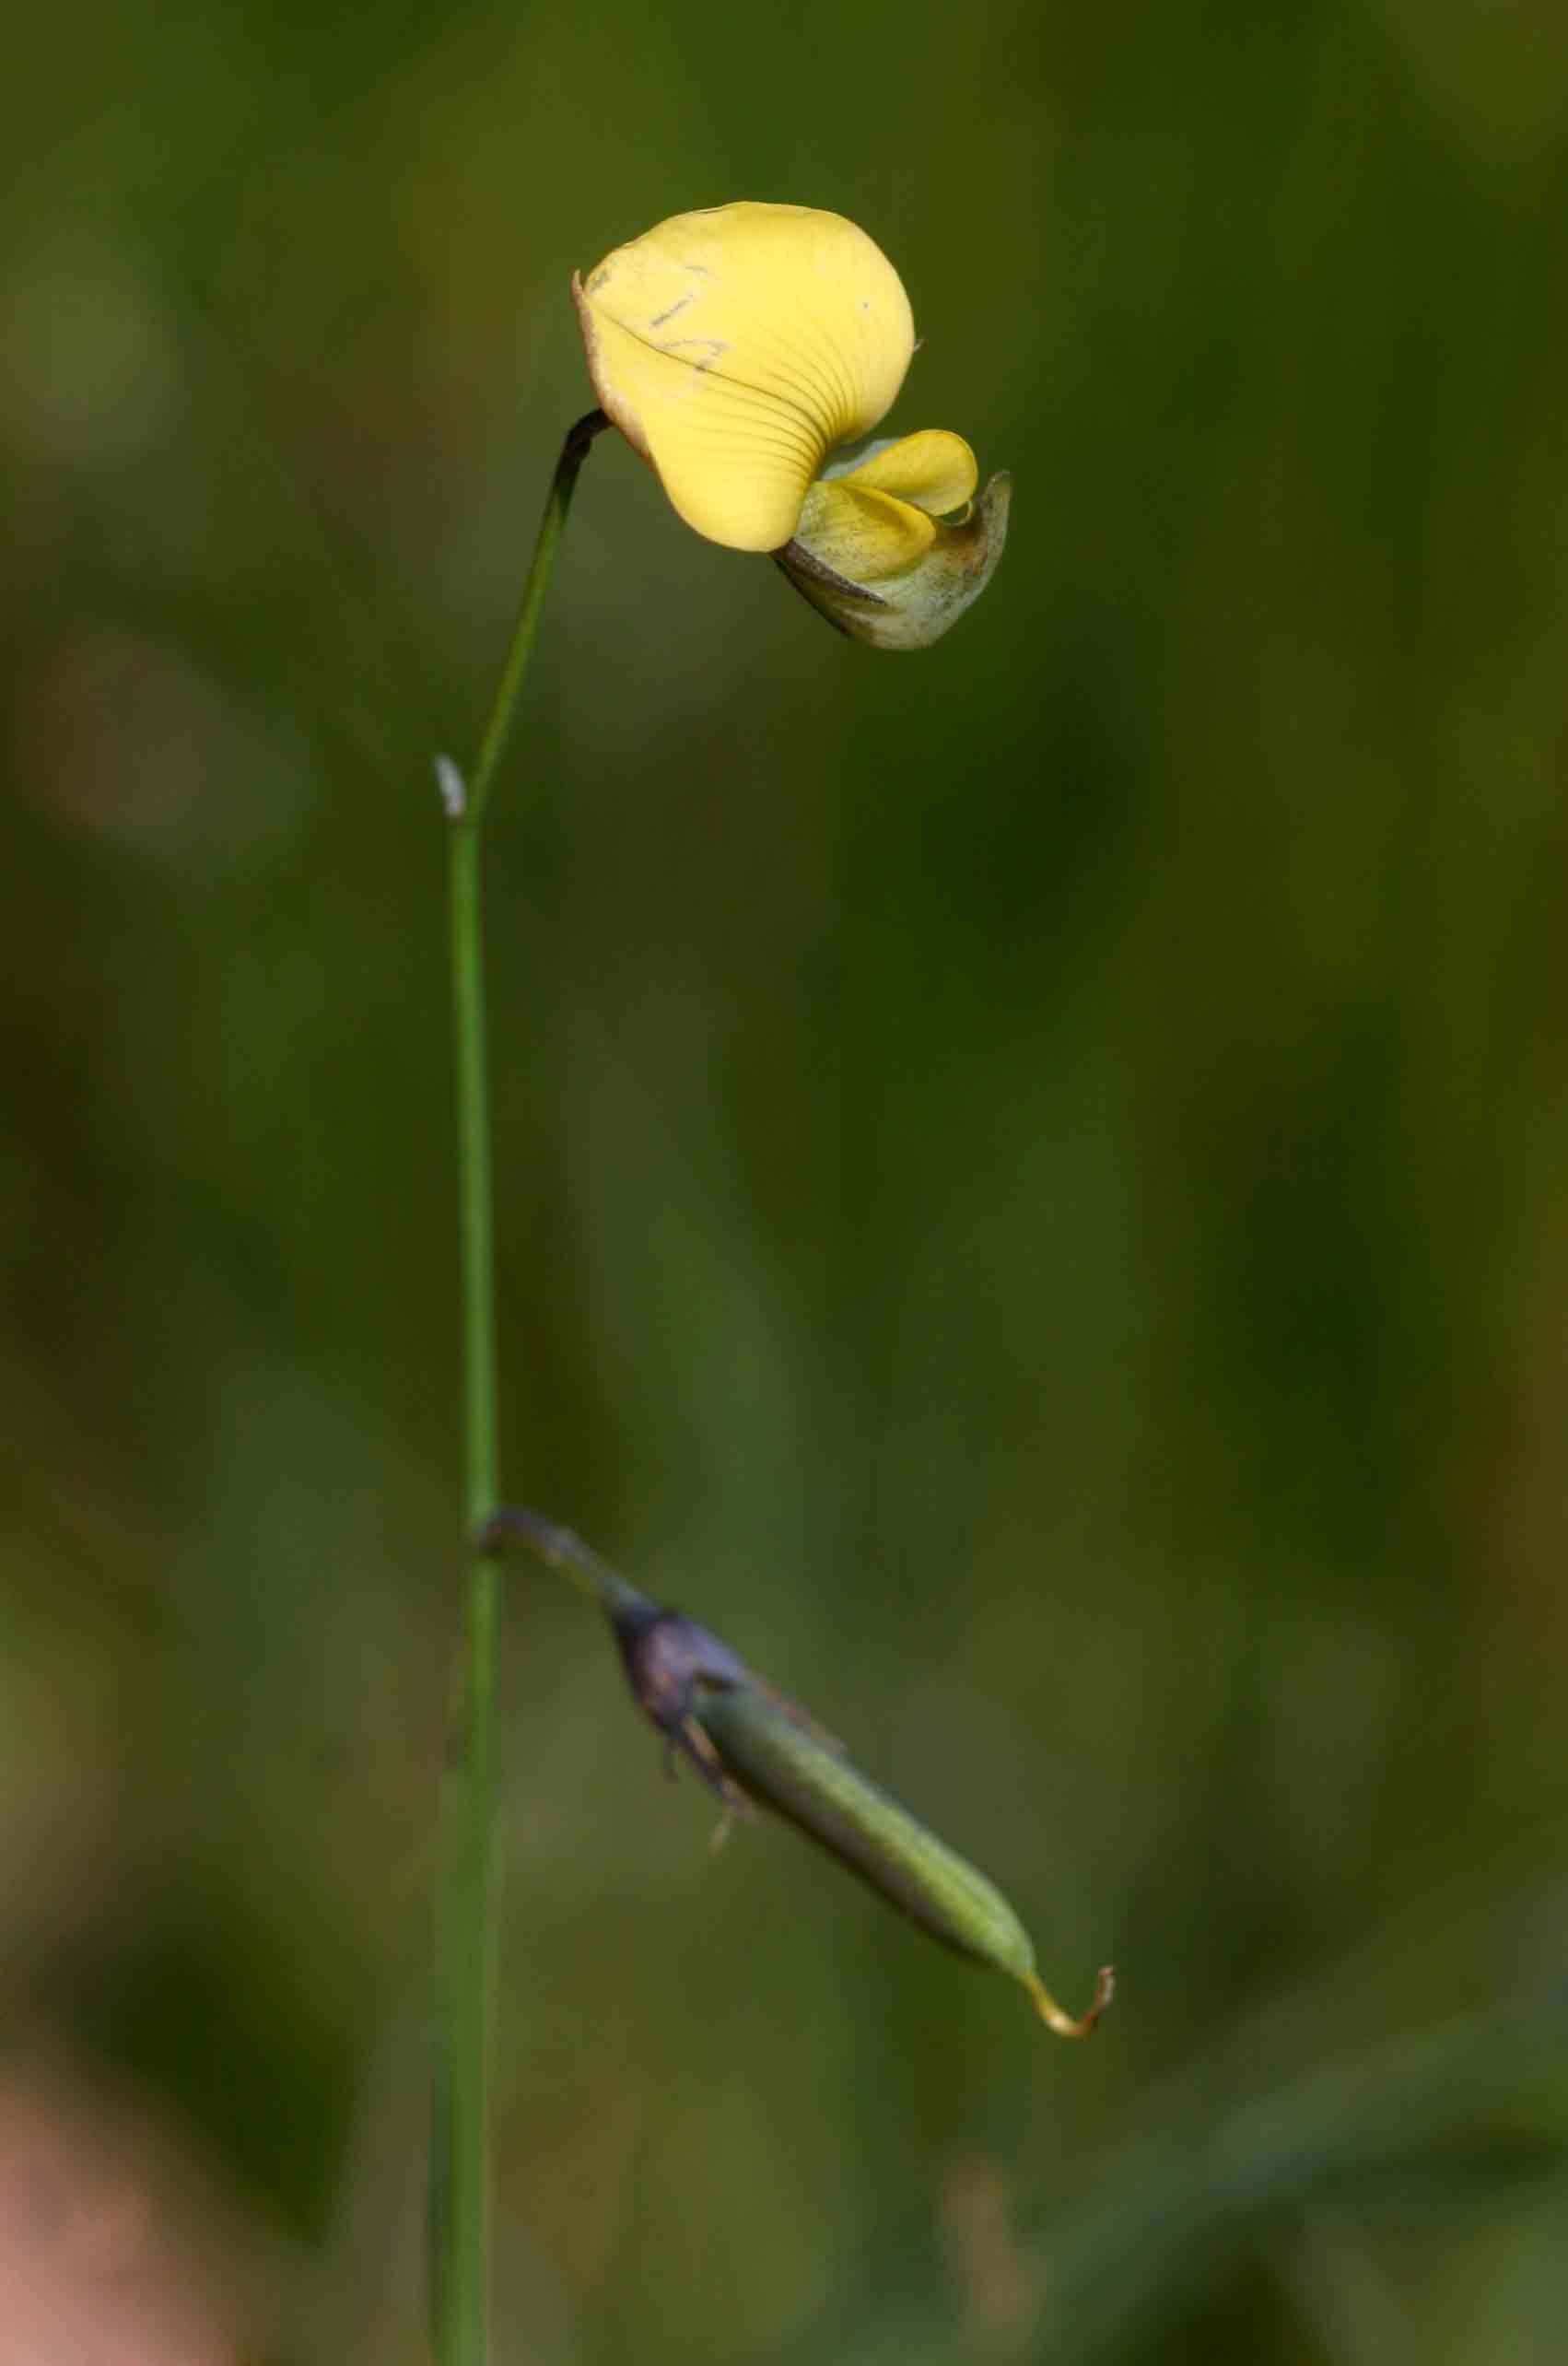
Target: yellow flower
{"x":736,"y":349}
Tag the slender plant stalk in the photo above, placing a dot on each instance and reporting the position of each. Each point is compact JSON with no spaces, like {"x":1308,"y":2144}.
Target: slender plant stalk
{"x":460,"y":2166}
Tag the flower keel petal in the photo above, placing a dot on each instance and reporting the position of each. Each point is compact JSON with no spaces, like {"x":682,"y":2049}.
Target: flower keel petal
{"x":911,"y":609}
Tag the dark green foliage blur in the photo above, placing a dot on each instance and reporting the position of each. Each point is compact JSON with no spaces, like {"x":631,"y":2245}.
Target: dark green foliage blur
{"x":1034,"y":1178}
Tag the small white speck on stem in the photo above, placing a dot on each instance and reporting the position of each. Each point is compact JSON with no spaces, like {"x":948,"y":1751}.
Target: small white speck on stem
{"x":453,"y":788}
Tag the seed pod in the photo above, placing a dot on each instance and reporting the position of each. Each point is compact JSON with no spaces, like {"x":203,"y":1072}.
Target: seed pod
{"x":784,"y":1765}
{"x":752,"y":1745}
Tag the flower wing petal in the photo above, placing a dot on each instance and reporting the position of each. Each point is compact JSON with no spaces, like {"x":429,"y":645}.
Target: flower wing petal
{"x":863,"y":535}
{"x":934,"y":469}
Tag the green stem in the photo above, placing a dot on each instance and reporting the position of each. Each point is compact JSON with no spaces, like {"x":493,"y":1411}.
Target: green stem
{"x":460,"y":2167}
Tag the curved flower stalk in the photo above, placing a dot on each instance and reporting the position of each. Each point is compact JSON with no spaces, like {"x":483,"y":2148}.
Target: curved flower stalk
{"x":755,"y":1749}
{"x":737,"y":350}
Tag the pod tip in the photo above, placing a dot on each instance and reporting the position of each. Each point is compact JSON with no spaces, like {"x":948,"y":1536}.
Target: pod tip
{"x":1063,"y":2023}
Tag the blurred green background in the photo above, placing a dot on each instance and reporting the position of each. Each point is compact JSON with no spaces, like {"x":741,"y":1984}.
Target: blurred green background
{"x":1031,"y":1178}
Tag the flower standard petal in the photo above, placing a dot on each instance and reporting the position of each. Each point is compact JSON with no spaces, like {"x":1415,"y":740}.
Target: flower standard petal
{"x":734,"y":348}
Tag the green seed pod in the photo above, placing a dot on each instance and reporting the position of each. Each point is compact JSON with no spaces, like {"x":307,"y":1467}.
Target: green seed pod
{"x":752,"y":1745}
{"x":785,"y":1765}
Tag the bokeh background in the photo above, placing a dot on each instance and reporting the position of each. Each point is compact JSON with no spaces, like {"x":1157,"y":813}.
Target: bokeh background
{"x":1032,"y":1187}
